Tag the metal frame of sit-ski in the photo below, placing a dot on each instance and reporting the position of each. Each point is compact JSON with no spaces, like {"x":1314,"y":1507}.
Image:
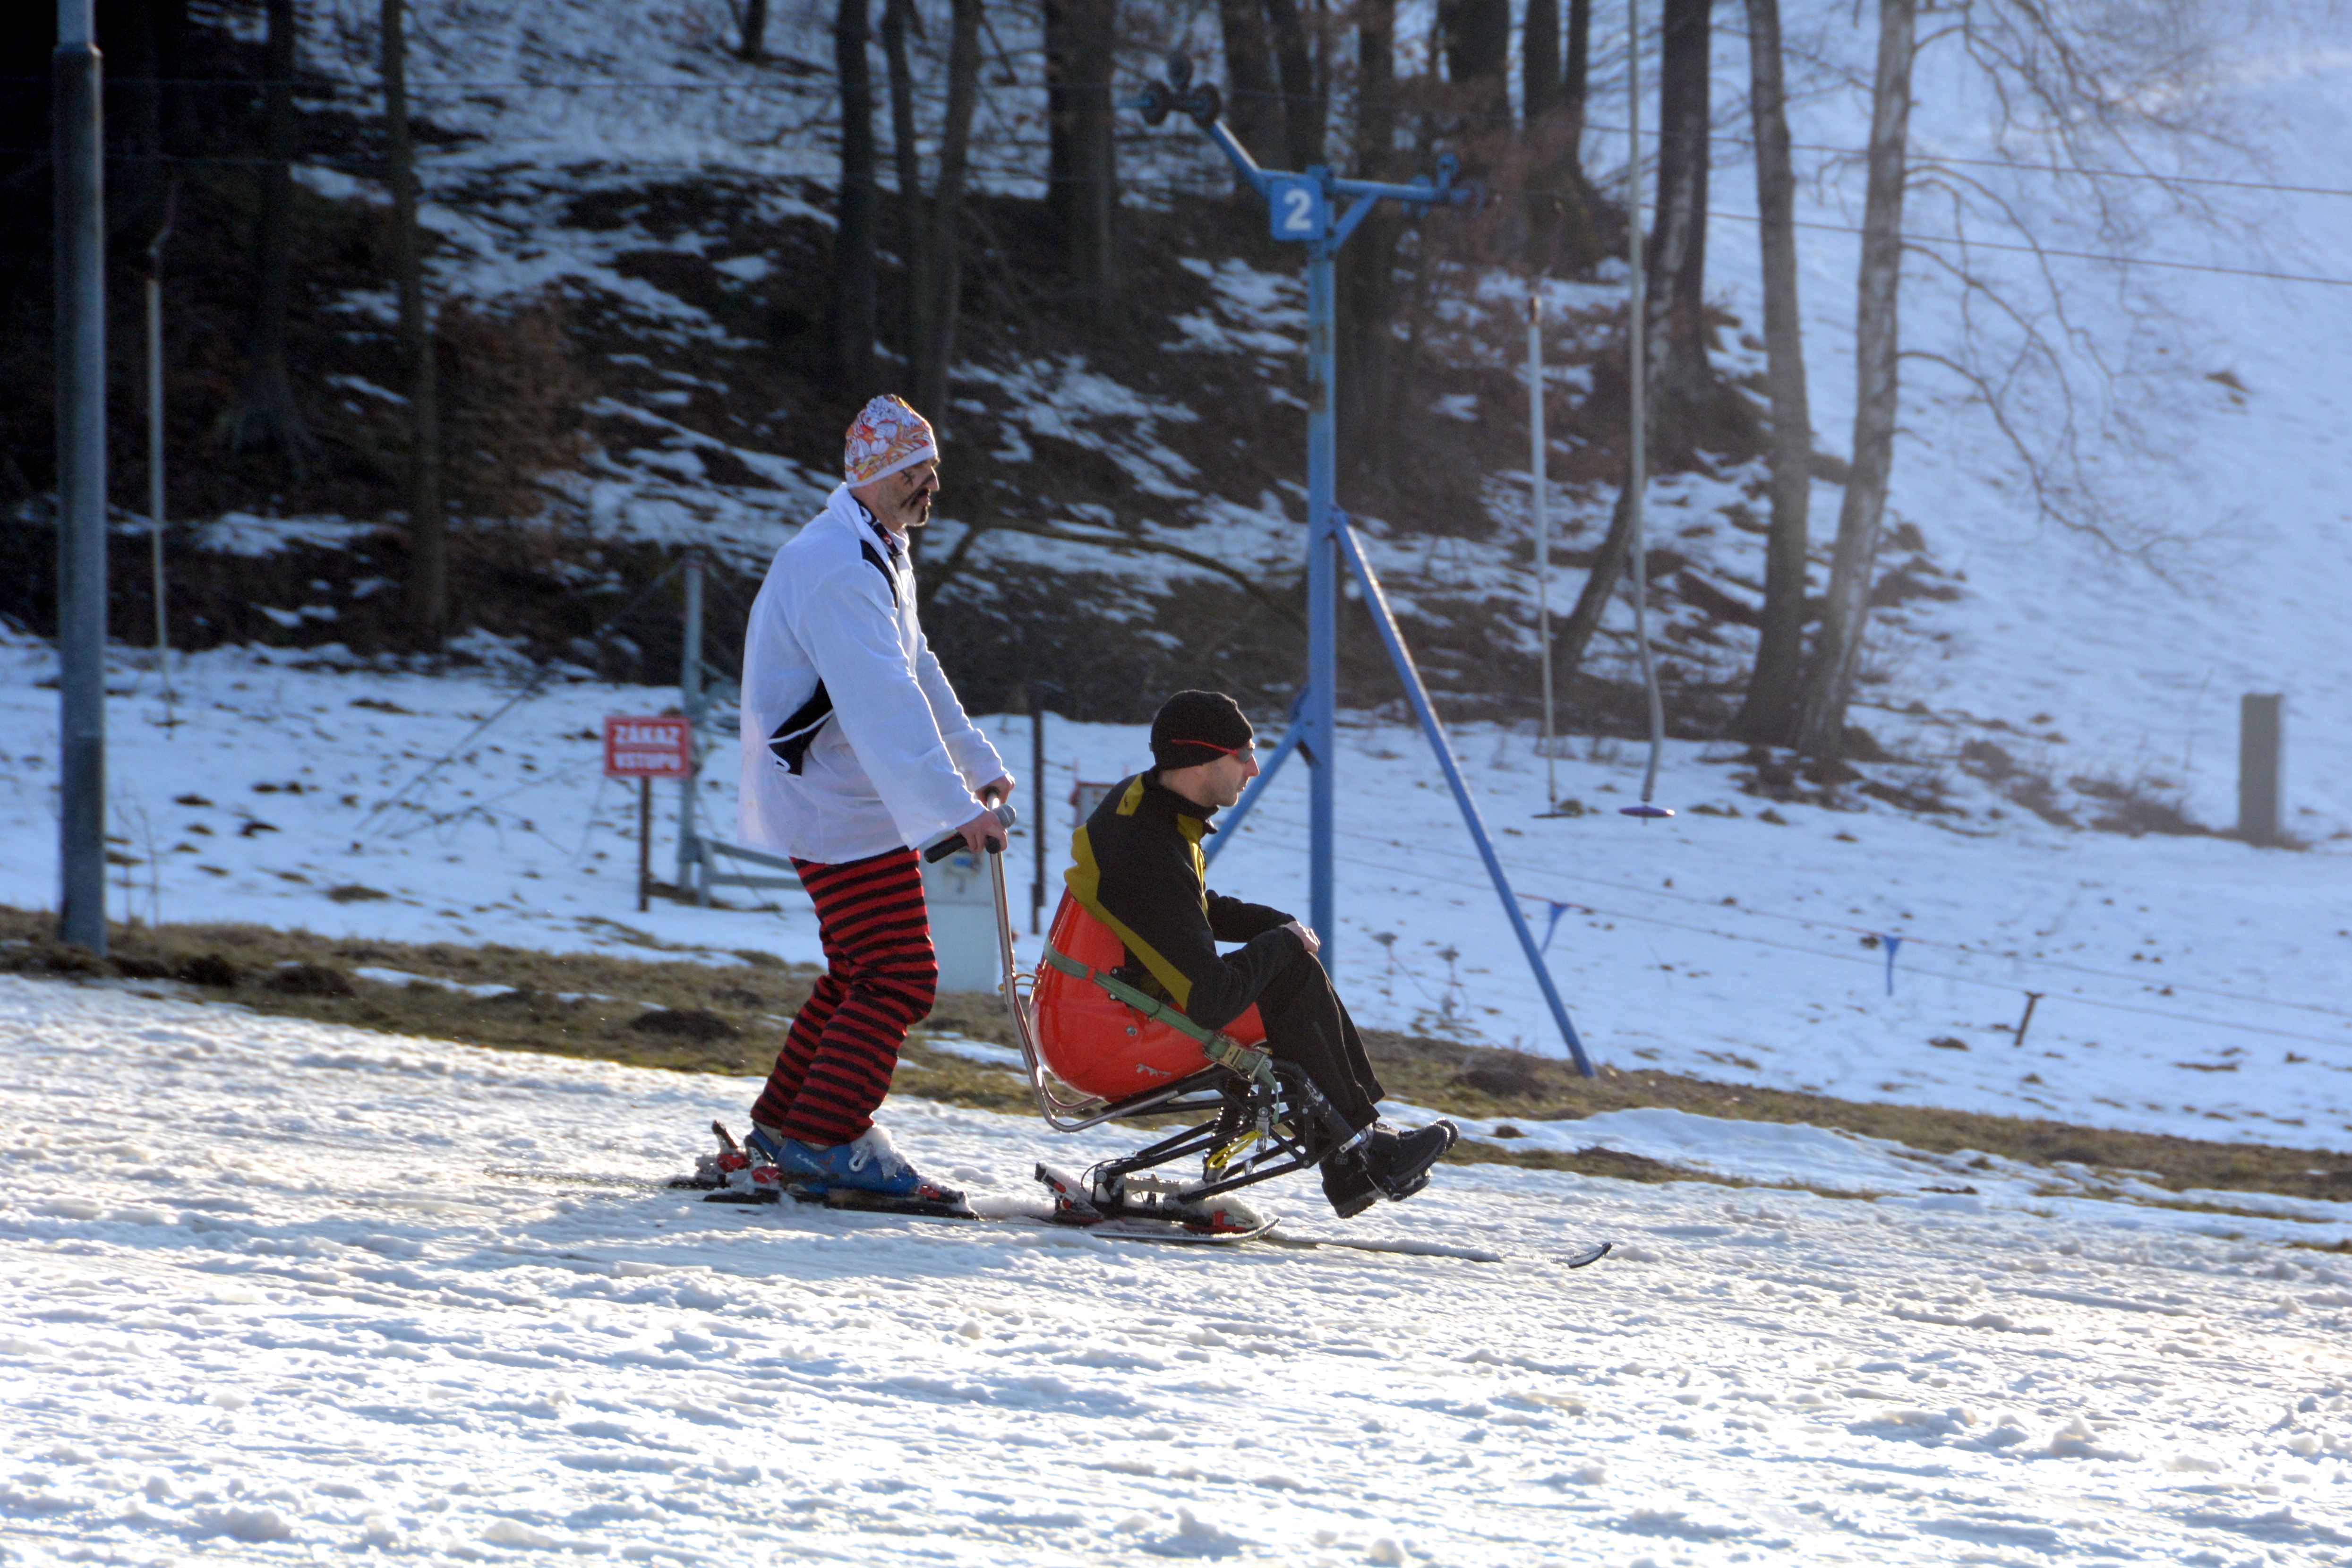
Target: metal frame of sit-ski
{"x":1263,"y":1118}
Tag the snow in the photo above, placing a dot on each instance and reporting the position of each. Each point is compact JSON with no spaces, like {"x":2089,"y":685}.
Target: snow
{"x":243,"y":534}
{"x":306,"y":1290}
{"x":2183,"y":982}
{"x":274,"y":1289}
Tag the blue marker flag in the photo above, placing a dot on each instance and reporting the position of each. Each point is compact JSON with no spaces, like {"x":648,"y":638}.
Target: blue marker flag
{"x":1893,"y":943}
{"x":1558,"y":909}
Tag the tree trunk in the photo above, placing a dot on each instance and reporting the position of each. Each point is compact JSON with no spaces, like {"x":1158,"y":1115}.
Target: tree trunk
{"x":428,"y":528}
{"x":1539,"y":78}
{"x":263,"y":416}
{"x":1476,"y":34}
{"x":1091,"y":234}
{"x":1376,"y":122}
{"x":1677,"y":259}
{"x":1768,"y":715}
{"x":1253,"y":111}
{"x":897,"y":18}
{"x":1302,"y":111}
{"x":1608,"y":565}
{"x":1674,"y":270}
{"x":1056,"y":27}
{"x":755,"y":29}
{"x":1561,"y":235}
{"x":131,"y":38}
{"x":942,"y":267}
{"x":852,"y":310}
{"x":1829,"y":678}
{"x":1575,"y":83}
{"x":1366,"y":268}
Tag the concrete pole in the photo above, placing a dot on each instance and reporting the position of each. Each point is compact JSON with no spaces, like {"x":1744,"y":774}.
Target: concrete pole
{"x":2259,"y":734}
{"x":1322,"y":597}
{"x":155,"y":444}
{"x":689,"y":701}
{"x":78,"y":149}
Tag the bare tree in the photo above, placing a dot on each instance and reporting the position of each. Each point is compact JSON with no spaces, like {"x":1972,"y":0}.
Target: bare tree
{"x":900,"y":18}
{"x":1252,"y":106}
{"x":1476,"y":38}
{"x":1680,"y":382}
{"x":1080,"y":56}
{"x":1093,"y":236}
{"x":942,"y":253}
{"x":1368,"y":269}
{"x":1575,"y":85}
{"x":1677,"y":258}
{"x":428,"y":527}
{"x":1837,"y":653}
{"x":2095,"y":101}
{"x":1561,"y":199}
{"x":263,"y":415}
{"x":754,"y":36}
{"x":1303,"y":108}
{"x":1539,"y":74}
{"x":853,"y":312}
{"x":1769,"y":712}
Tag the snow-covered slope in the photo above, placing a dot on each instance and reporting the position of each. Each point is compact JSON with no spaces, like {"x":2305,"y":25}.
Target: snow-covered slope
{"x":2191,"y":414}
{"x":2195,"y":415}
{"x":2187,"y":985}
{"x":273,"y":1290}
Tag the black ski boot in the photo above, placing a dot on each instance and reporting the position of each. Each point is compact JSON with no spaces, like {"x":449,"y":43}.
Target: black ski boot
{"x":1398,"y":1163}
{"x":1348,"y":1183}
{"x":1347,"y":1176}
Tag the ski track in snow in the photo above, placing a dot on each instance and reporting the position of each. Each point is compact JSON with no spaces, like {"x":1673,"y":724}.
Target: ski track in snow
{"x":274,"y":1289}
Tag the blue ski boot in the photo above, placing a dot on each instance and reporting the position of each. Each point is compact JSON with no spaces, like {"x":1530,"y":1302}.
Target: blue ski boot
{"x":867,"y":1173}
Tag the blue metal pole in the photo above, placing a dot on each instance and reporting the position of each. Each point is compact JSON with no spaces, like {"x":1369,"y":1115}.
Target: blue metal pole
{"x":1384,"y":623}
{"x":1322,"y":596}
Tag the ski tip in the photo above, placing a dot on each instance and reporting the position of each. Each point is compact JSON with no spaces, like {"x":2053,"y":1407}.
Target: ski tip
{"x":1586,"y":1255}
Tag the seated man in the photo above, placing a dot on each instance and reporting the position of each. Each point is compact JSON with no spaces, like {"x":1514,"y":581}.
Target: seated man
{"x":1141,"y":872}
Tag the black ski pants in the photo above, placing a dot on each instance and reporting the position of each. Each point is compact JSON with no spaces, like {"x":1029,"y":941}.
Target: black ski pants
{"x":1308,"y":1025}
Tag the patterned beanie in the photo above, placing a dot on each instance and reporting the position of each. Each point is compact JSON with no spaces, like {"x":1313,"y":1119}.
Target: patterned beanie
{"x":1194,"y":727}
{"x":886,"y":436}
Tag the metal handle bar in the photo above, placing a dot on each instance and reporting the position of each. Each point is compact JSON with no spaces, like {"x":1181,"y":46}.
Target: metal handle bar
{"x":954,"y":841}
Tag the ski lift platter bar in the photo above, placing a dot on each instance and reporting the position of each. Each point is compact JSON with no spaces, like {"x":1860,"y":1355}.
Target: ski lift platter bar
{"x":658,"y":747}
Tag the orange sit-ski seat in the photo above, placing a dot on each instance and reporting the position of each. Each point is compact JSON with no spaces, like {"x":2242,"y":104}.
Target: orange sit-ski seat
{"x":1097,"y":1044}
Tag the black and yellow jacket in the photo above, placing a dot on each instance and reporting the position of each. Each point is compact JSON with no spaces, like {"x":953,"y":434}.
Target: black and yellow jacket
{"x":1140,"y":871}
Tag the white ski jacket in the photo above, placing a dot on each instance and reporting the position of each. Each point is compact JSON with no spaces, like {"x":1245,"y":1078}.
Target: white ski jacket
{"x":853,"y":741}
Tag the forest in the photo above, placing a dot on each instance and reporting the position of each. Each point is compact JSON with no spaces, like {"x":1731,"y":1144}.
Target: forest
{"x":939,"y":199}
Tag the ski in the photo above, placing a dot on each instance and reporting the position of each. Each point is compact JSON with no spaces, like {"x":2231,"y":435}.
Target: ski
{"x":1126,"y":1228}
{"x":1134,"y":1208}
{"x":1150,"y":1212}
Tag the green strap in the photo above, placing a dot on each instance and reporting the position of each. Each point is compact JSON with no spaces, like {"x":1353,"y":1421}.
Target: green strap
{"x":1220,"y":1048}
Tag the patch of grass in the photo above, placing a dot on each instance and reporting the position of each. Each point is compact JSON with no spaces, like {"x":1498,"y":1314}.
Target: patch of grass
{"x":731,"y":1019}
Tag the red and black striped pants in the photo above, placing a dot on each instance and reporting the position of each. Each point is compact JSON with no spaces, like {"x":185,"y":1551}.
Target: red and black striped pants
{"x":880,"y":979}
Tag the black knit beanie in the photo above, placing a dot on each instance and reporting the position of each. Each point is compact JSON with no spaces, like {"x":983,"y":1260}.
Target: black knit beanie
{"x":1194,"y":727}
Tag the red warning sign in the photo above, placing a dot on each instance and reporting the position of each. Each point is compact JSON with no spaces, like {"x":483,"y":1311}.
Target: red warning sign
{"x":656,"y":748}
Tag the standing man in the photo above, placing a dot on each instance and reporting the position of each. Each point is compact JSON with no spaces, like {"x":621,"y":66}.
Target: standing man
{"x":854,"y":751}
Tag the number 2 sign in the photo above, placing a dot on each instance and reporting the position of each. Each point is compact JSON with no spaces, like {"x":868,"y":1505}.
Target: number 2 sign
{"x":1295,"y":204}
